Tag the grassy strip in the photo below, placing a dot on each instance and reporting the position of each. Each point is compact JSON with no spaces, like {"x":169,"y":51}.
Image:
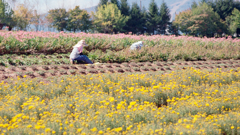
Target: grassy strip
{"x":27,"y":60}
{"x":57,"y":59}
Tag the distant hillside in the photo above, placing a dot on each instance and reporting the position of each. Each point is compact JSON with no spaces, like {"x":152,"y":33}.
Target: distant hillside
{"x":89,"y":10}
{"x":175,"y":6}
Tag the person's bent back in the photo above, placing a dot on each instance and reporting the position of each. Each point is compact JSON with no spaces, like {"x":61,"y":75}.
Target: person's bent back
{"x":77,"y":55}
{"x":136,"y":46}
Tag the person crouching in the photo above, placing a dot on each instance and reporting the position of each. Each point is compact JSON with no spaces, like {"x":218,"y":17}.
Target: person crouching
{"x":137,"y":45}
{"x":77,"y":55}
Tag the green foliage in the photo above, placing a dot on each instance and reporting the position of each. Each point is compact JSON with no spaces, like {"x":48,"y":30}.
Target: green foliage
{"x":172,"y":29}
{"x":22,"y":16}
{"x":224,"y":8}
{"x":116,"y":2}
{"x":153,"y":17}
{"x":6,"y":13}
{"x":194,"y":5}
{"x":115,"y":48}
{"x":165,"y":17}
{"x":205,"y":21}
{"x":137,"y":21}
{"x":234,"y":21}
{"x":101,"y":3}
{"x":200,"y":21}
{"x":78,"y":20}
{"x":125,"y":10}
{"x":109,"y":19}
{"x":182,"y":21}
{"x":58,"y":18}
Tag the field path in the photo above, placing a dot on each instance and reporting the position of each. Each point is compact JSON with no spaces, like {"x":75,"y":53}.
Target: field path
{"x":46,"y":71}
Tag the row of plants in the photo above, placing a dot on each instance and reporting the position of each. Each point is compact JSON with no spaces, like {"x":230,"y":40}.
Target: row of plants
{"x":61,"y":59}
{"x":32,"y":61}
{"x":115,"y":48}
{"x":181,"y":102}
{"x":146,"y":54}
{"x":53,"y":63}
{"x":39,"y":56}
{"x":141,"y":65}
{"x":164,"y":53}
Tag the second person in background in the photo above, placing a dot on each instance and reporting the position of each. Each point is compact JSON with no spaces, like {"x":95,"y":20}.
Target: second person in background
{"x":136,"y":46}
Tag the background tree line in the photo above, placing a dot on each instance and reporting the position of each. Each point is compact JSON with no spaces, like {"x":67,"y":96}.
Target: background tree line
{"x":110,"y":17}
{"x":131,"y":19}
{"x":210,"y":18}
{"x":206,"y":18}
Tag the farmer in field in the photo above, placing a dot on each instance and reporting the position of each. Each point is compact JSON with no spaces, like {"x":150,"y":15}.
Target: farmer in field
{"x":76,"y":53}
{"x":136,"y":46}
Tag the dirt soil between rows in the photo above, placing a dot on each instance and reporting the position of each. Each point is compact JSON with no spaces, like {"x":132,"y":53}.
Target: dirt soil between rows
{"x":46,"y":71}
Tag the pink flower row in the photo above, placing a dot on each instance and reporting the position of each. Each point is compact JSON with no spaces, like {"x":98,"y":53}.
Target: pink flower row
{"x":21,"y":35}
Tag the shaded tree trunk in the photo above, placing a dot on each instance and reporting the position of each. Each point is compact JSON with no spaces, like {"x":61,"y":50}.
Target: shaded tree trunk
{"x":3,"y":24}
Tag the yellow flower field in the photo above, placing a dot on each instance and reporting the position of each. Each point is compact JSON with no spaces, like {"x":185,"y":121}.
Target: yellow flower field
{"x":182,"y":102}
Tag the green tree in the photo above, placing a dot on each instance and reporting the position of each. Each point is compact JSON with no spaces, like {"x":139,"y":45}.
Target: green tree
{"x":101,"y":3}
{"x":200,"y":21}
{"x":22,"y":16}
{"x":116,"y":2}
{"x":104,"y":2}
{"x":153,"y":17}
{"x":58,"y":18}
{"x":78,"y":20}
{"x":6,"y":14}
{"x":173,"y":30}
{"x":165,"y":17}
{"x":74,"y":19}
{"x":234,"y":21}
{"x":86,"y":22}
{"x":145,"y":17}
{"x":182,"y":21}
{"x":194,"y":5}
{"x":224,"y":8}
{"x":125,"y":10}
{"x":205,"y":22}
{"x":209,"y":2}
{"x":108,"y":19}
{"x":136,"y":22}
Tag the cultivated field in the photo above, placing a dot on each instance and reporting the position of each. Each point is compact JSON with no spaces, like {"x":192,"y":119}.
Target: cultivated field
{"x":115,"y":48}
{"x":175,"y":85}
{"x":53,"y":69}
{"x":181,"y":102}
